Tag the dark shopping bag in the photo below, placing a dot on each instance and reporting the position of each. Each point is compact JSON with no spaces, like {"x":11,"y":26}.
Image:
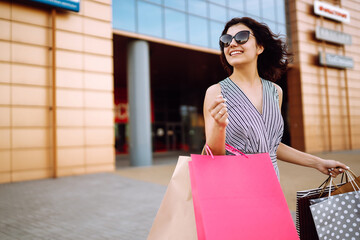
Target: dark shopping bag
{"x":304,"y":221}
{"x":338,"y":216}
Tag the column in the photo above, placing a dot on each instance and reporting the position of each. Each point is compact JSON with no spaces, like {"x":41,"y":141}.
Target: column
{"x":138,"y":80}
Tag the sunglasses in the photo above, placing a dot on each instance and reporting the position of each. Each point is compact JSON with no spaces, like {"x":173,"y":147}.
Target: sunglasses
{"x":240,"y":37}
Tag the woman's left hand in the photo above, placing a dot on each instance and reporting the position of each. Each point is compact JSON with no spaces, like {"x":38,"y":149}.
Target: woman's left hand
{"x":331,"y":167}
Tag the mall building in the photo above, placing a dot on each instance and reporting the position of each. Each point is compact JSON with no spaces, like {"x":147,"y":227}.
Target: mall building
{"x":84,"y":80}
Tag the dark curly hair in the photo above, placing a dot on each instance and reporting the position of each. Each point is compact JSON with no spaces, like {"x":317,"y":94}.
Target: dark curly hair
{"x":273,"y":61}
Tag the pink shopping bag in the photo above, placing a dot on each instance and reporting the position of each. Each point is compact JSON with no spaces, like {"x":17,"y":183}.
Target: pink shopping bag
{"x":239,"y":197}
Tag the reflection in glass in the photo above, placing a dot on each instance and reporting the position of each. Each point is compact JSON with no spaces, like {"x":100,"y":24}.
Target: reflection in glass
{"x":220,"y":2}
{"x":154,"y":1}
{"x":178,"y":4}
{"x":272,"y":26}
{"x":252,"y":7}
{"x":268,"y":10}
{"x":282,"y":29}
{"x":217,"y":13}
{"x":175,"y":25}
{"x":198,"y":31}
{"x":233,"y":14}
{"x":197,"y":7}
{"x":149,"y":19}
{"x":236,"y":4}
{"x":280,"y":11}
{"x":215,"y":32}
{"x":124,"y":15}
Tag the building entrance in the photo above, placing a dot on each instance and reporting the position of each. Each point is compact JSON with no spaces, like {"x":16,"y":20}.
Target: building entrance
{"x":179,"y":79}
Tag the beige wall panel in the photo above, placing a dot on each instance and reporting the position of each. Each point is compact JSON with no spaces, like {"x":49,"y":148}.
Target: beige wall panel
{"x":70,"y":171}
{"x":99,"y":136}
{"x":4,"y":116}
{"x":98,"y":45}
{"x":5,"y":94}
{"x":30,"y":138}
{"x":69,"y":78}
{"x":99,"y":118}
{"x":32,"y":75}
{"x":31,"y":175}
{"x":31,"y":159}
{"x":98,"y":63}
{"x":68,"y":157}
{"x":30,"y":54}
{"x":97,"y":10}
{"x":5,"y":72}
{"x":100,"y":168}
{"x":5,"y":11}
{"x":100,"y":155}
{"x":99,"y":100}
{"x":5,"y":164}
{"x":30,"y":34}
{"x":5,"y":177}
{"x":104,"y":1}
{"x":5,"y":29}
{"x":4,"y":51}
{"x":30,"y":96}
{"x":70,"y":117}
{"x":97,"y":28}
{"x":68,"y":137}
{"x":30,"y":117}
{"x":70,"y":22}
{"x":69,"y":98}
{"x":70,"y":60}
{"x":27,"y":14}
{"x":99,"y":81}
{"x":69,"y":40}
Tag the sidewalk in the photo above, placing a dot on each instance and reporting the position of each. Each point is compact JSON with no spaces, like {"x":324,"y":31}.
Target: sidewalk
{"x":120,"y":205}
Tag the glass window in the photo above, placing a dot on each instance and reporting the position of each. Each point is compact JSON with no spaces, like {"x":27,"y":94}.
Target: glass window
{"x":149,"y":19}
{"x":198,"y":31}
{"x":236,"y":4}
{"x":217,"y":13}
{"x":220,"y":2}
{"x":216,"y":29}
{"x":124,"y":15}
{"x":272,"y":26}
{"x":252,"y":7}
{"x":197,"y":7}
{"x":175,"y":25}
{"x":154,"y":1}
{"x":268,"y":10}
{"x":280,"y":11}
{"x":178,"y":4}
{"x":282,"y":29}
{"x":233,"y":14}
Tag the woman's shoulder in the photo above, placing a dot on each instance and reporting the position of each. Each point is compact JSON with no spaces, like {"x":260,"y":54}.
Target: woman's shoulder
{"x":274,"y":86}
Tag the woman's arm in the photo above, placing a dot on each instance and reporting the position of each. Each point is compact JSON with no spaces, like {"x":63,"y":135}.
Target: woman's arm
{"x":216,"y":119}
{"x":291,"y":155}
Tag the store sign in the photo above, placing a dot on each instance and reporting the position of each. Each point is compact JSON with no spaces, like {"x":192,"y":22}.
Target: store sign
{"x":332,"y":12}
{"x":333,"y":60}
{"x":332,"y":36}
{"x":72,"y":5}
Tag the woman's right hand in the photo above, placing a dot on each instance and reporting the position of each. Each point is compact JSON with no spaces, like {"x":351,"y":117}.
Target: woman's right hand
{"x":218,"y":111}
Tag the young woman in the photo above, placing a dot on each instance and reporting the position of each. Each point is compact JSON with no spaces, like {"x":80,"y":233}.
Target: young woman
{"x":244,"y":110}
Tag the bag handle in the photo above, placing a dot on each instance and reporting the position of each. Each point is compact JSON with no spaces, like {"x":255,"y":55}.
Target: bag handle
{"x":229,"y":148}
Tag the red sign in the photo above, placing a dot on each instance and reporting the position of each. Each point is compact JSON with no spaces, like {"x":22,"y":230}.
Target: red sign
{"x":332,"y":12}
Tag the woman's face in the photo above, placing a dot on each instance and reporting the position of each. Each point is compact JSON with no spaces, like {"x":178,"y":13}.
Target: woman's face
{"x":239,"y":54}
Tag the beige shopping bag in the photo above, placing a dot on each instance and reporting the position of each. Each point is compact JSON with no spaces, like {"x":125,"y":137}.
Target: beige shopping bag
{"x":175,"y":219}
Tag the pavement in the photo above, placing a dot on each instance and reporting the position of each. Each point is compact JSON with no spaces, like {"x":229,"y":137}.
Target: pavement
{"x":119,"y":205}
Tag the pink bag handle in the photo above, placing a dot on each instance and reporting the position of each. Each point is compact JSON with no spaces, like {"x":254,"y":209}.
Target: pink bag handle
{"x":228,"y":148}
{"x":234,"y":150}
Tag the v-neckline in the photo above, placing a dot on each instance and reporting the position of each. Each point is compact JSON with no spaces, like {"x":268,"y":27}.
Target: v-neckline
{"x":251,"y":103}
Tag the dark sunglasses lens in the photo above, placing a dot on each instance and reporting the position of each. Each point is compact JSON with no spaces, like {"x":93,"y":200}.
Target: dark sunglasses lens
{"x":226,"y":39}
{"x":242,"y":37}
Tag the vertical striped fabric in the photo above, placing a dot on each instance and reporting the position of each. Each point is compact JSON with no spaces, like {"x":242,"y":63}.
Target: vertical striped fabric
{"x":248,"y":130}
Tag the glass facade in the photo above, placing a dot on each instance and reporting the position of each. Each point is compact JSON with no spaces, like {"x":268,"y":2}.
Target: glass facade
{"x":195,"y":22}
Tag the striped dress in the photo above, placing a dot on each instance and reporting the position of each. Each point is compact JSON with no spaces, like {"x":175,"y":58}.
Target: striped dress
{"x":248,"y":130}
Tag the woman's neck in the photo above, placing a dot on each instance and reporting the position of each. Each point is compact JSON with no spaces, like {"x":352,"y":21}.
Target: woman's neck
{"x":247,"y":75}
